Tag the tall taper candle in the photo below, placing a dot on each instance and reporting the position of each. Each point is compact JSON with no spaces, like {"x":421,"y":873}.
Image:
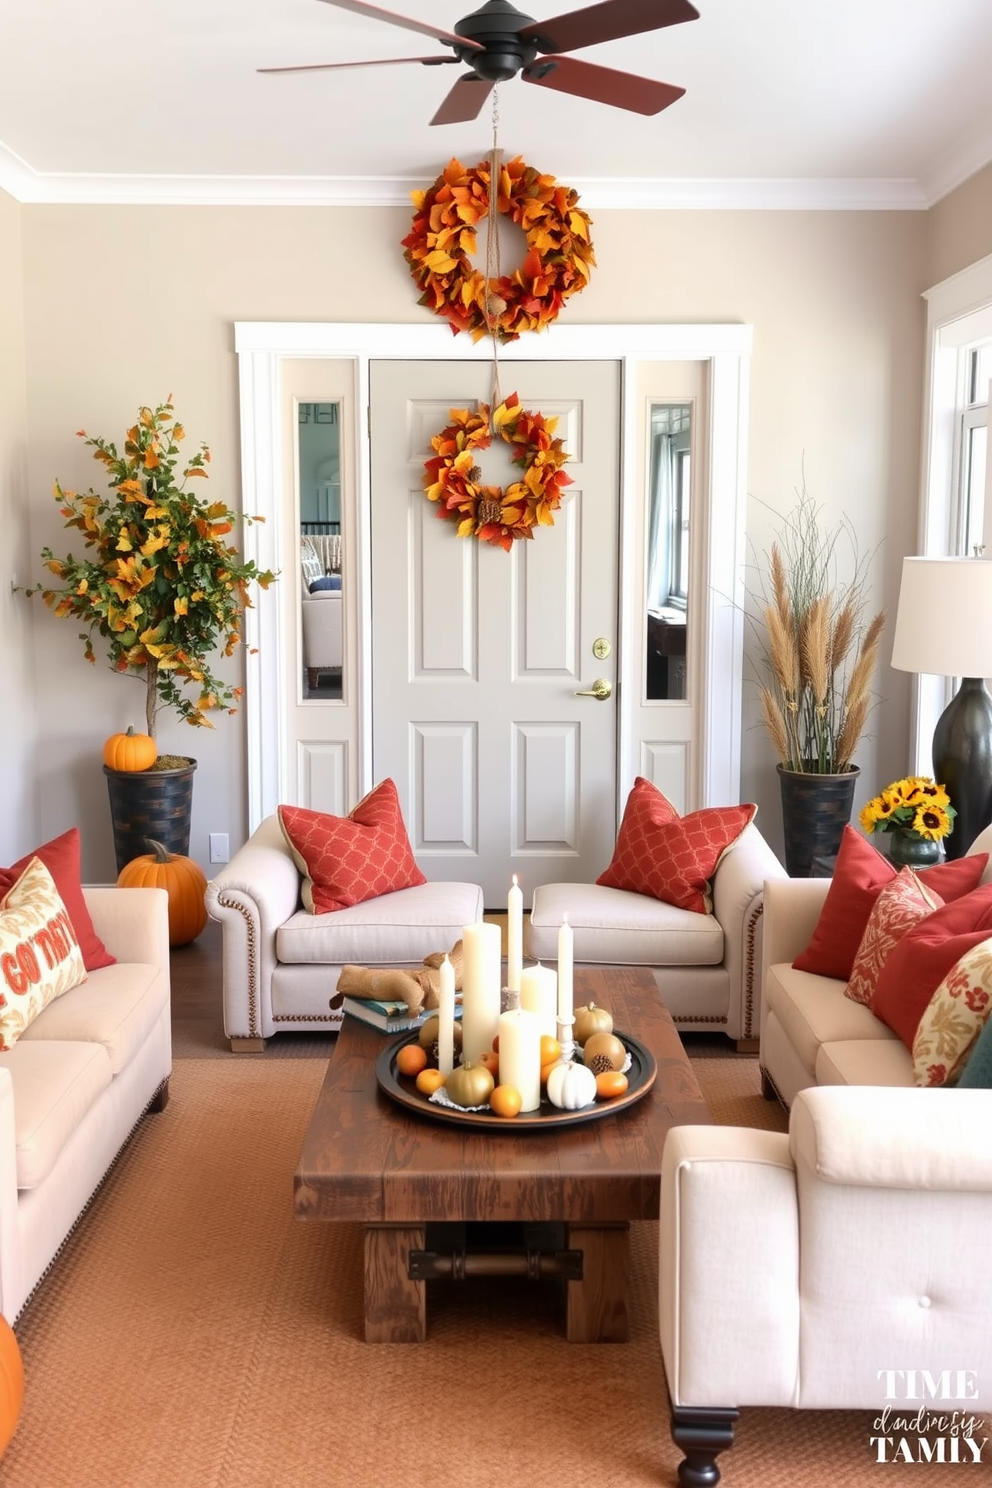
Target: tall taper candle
{"x":482,"y":947}
{"x":566,"y":962}
{"x":446,"y":1019}
{"x":520,"y":1055}
{"x":538,"y":994}
{"x":514,"y":936}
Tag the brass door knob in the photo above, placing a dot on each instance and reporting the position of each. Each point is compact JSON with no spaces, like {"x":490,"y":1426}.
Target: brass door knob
{"x":601,"y":689}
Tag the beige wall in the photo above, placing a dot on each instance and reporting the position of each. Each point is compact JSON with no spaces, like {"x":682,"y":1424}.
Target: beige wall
{"x":960,"y":228}
{"x":123,"y":305}
{"x":19,"y":799}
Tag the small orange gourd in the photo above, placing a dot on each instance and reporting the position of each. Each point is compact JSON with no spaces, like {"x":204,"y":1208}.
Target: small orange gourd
{"x":130,"y":751}
{"x":183,"y":880}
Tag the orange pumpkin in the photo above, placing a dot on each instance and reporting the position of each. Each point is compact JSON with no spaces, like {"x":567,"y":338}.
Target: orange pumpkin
{"x":130,"y":751}
{"x":183,"y":880}
{"x":11,"y":1384}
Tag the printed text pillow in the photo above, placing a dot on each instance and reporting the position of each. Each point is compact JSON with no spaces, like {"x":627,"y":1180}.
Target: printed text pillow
{"x":900,"y":905}
{"x":348,"y":859}
{"x":39,"y":953}
{"x":672,"y":857}
{"x":919,"y":963}
{"x":61,"y":857}
{"x":955,"y":1016}
{"x":860,"y":874}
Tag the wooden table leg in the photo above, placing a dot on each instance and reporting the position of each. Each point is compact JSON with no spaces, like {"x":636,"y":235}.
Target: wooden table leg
{"x":395,"y":1306}
{"x":597,"y":1305}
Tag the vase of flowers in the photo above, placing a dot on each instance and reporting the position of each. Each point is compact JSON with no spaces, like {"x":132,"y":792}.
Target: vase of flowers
{"x":164,"y":591}
{"x":917,"y":814}
{"x":820,"y":651}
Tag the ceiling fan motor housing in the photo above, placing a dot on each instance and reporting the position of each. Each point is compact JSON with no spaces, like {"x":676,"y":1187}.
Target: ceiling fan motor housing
{"x":496,"y":27}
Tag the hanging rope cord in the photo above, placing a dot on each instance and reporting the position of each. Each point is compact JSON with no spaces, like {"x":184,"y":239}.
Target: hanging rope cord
{"x":494,"y":302}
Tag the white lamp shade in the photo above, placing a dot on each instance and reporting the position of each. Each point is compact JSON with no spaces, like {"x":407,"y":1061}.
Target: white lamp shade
{"x":944,"y":619}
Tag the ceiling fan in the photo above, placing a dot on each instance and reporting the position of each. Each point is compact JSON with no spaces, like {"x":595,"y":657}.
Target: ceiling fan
{"x":497,"y":42}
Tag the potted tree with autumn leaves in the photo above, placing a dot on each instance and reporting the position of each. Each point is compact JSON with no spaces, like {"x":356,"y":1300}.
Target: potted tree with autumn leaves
{"x":164,"y":591}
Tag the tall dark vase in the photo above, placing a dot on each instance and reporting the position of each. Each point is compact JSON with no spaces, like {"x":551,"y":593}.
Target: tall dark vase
{"x":815,"y":811}
{"x":150,"y":804}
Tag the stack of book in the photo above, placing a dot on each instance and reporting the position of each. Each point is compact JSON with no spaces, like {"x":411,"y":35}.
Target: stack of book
{"x":391,"y":1017}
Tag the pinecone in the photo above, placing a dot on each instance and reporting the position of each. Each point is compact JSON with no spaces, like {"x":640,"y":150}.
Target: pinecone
{"x":600,"y":1063}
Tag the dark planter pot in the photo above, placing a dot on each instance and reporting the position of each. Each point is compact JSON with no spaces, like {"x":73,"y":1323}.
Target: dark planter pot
{"x":150,"y":804}
{"x":815,"y":811}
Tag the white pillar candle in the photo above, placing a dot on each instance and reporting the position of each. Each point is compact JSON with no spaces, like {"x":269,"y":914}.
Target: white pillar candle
{"x":520,"y":1055}
{"x":446,"y":1019}
{"x":482,"y":947}
{"x":514,"y":936}
{"x":539,"y":994}
{"x":566,"y":962}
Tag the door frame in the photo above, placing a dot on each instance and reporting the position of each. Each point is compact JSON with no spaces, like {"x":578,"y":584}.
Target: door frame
{"x":262,"y":346}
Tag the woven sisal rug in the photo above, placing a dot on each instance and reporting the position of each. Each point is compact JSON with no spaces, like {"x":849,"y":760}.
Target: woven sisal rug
{"x":192,"y":1333}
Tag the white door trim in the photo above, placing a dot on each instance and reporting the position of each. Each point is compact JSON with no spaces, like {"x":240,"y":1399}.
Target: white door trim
{"x":261,"y":346}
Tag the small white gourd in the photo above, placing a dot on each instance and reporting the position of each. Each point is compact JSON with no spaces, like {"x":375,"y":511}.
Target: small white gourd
{"x":571,"y":1086}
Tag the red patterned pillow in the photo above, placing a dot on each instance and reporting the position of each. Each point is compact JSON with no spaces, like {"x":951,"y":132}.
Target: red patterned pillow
{"x":672,"y":857}
{"x":859,"y":876}
{"x":954,"y":1018}
{"x":925,"y":955}
{"x":348,"y":859}
{"x":900,"y":905}
{"x":62,"y":858}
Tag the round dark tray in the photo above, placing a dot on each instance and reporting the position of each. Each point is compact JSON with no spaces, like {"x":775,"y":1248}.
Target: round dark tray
{"x":403,"y":1090}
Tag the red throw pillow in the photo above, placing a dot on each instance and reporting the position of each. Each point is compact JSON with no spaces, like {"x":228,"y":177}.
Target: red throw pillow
{"x":348,"y":859}
{"x":671,"y":857}
{"x":925,"y":956}
{"x":859,"y":876}
{"x":899,"y":906}
{"x":62,"y":857}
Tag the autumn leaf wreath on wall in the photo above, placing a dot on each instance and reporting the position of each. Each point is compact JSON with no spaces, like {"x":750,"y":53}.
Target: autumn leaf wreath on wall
{"x":556,"y":266}
{"x":495,"y":514}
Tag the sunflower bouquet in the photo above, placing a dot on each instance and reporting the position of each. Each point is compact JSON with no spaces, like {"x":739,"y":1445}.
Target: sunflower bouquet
{"x":916,"y":805}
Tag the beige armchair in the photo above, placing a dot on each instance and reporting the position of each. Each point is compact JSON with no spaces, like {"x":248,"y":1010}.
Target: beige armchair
{"x":841,"y":1267}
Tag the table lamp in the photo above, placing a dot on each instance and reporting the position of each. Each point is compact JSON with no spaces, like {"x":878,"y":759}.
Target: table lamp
{"x":944,"y":627}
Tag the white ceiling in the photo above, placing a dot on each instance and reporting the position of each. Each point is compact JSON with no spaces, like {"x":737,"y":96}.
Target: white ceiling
{"x":807,"y":103}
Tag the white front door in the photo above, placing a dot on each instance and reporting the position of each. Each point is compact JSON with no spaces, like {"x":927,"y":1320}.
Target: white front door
{"x":479,"y":656}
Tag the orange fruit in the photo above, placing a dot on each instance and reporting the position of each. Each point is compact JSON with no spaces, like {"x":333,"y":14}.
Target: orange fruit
{"x":550,"y":1049}
{"x":546,"y":1070}
{"x":610,"y":1084}
{"x":490,"y":1059}
{"x":429,"y":1080}
{"x":411,"y":1059}
{"x":505,"y":1100}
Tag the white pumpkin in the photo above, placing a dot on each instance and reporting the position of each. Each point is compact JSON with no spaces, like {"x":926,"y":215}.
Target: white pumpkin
{"x":571,"y":1086}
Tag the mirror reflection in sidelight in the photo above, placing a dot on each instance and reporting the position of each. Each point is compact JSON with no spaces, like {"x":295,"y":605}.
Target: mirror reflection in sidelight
{"x":669,"y":494}
{"x":319,"y":485}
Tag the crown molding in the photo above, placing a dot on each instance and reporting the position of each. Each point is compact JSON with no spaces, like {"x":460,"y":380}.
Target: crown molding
{"x":33,"y":187}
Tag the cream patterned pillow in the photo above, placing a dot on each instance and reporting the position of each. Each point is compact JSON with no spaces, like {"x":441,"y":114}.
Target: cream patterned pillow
{"x":955,"y":1016}
{"x":40,"y":956}
{"x":902,"y":904}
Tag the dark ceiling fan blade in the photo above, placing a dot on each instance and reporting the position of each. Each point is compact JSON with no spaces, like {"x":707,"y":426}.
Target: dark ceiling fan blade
{"x":379,"y":62}
{"x":376,"y":13}
{"x":465,"y":100}
{"x":602,"y":84}
{"x":606,"y":22}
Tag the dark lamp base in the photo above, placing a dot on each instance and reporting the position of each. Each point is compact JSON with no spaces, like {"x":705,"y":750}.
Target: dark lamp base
{"x":962,"y":762}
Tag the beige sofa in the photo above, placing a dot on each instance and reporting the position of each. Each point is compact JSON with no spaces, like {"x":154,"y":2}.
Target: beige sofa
{"x":817,"y":1269}
{"x":76,"y":1083}
{"x":281,"y":964}
{"x":811,"y":1034}
{"x":707,"y":966}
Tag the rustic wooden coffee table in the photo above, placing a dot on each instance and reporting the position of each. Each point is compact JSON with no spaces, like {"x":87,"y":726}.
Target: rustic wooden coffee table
{"x":367,"y":1159}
